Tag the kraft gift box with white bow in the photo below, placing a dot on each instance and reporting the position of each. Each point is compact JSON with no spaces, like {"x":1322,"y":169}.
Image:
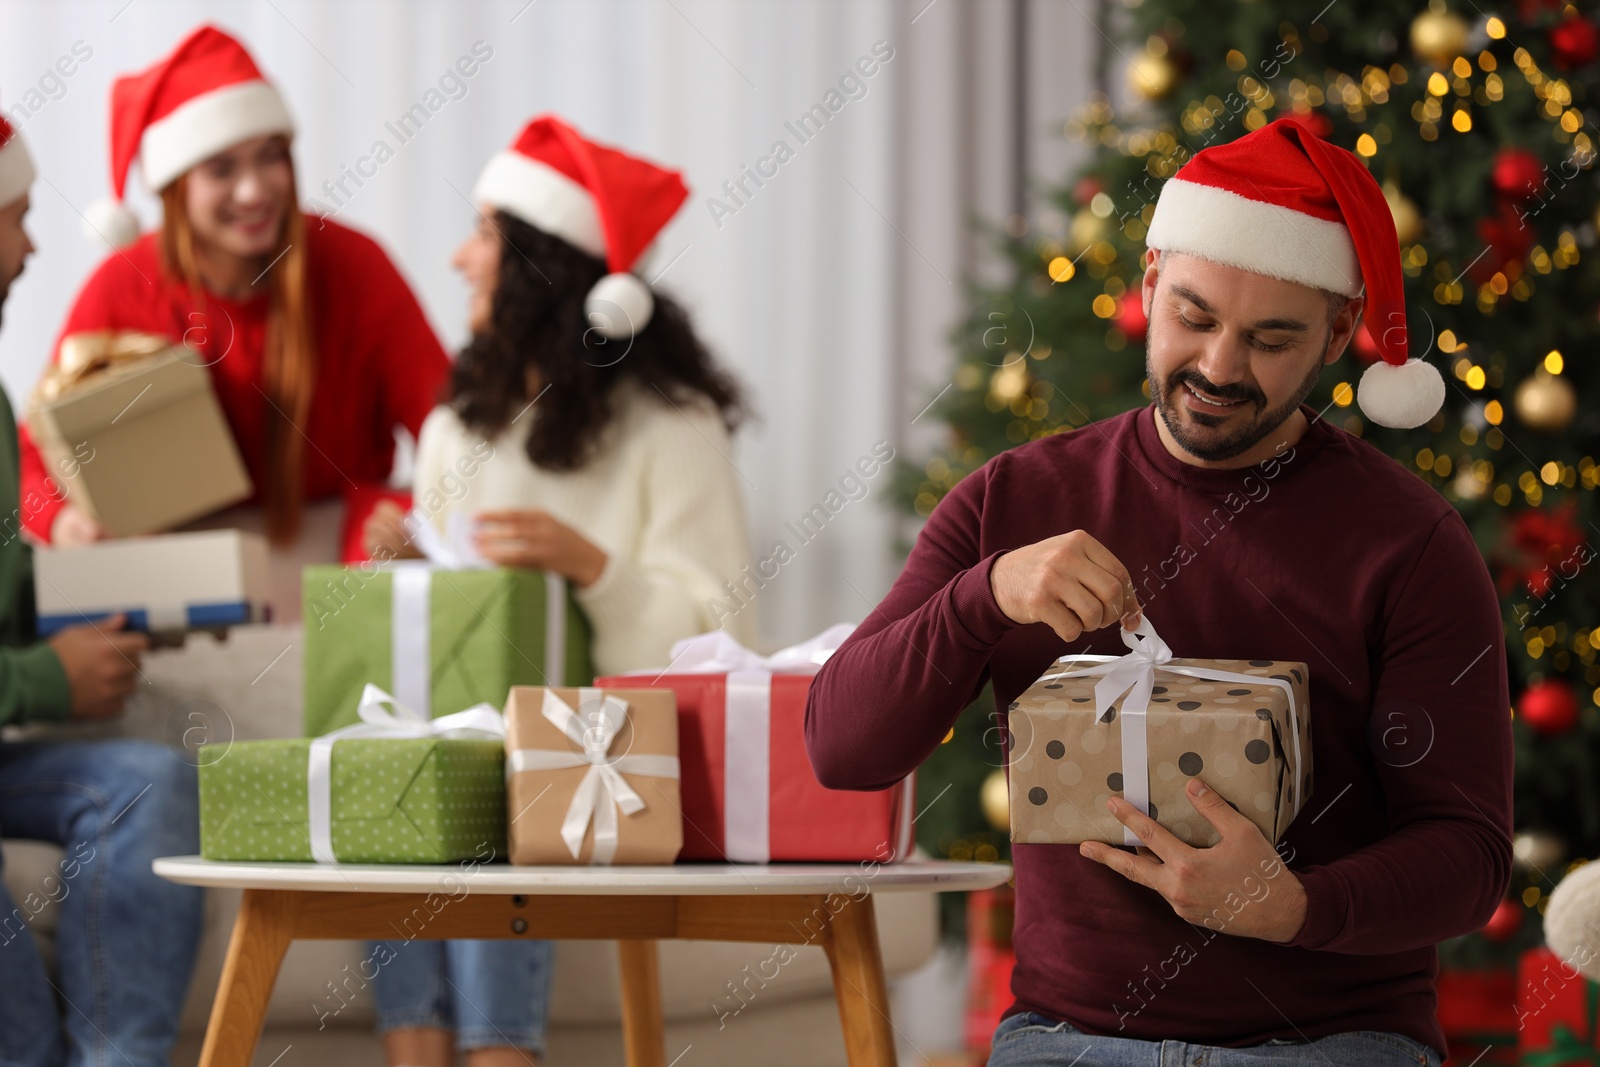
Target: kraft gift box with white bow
{"x":1140,"y":726}
{"x":395,"y":787}
{"x":592,"y":776}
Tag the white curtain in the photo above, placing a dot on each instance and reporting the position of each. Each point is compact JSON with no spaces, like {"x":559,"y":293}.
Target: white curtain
{"x":828,"y":288}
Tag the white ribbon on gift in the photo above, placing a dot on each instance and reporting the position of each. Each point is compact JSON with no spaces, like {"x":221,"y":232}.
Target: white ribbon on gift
{"x":410,"y":618}
{"x":382,"y":716}
{"x":1134,"y":674}
{"x":747,"y":750}
{"x":603,"y":790}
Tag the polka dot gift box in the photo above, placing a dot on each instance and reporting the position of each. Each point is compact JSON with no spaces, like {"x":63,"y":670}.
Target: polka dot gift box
{"x":430,"y":797}
{"x":1140,"y":726}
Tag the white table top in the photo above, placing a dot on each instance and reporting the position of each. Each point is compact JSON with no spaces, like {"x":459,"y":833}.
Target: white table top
{"x":682,"y":879}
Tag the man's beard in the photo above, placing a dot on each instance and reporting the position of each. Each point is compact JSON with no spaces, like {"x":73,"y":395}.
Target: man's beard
{"x":1167,"y":396}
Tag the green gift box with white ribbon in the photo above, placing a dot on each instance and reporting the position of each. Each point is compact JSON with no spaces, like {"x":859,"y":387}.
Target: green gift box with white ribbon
{"x":392,"y":788}
{"x":438,"y":639}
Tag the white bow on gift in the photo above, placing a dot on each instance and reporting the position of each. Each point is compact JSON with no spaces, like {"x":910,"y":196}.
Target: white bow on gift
{"x":717,"y":653}
{"x":603,"y":791}
{"x":382,"y":716}
{"x":1134,"y":675}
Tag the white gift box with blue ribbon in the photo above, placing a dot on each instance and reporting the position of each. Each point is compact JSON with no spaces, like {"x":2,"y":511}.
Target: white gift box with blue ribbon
{"x":208,"y":579}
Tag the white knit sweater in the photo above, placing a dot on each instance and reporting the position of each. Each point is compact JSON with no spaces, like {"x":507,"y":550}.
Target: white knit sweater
{"x":660,"y":496}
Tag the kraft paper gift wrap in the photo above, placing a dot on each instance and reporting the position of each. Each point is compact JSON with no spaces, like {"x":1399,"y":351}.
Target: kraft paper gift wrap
{"x":438,"y":639}
{"x":1241,"y":725}
{"x":394,"y":788}
{"x":592,"y":776}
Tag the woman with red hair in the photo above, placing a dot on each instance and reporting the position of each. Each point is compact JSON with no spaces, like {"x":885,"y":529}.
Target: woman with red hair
{"x":316,"y":346}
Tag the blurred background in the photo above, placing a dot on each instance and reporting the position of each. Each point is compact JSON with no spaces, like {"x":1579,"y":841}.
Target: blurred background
{"x":945,"y":267}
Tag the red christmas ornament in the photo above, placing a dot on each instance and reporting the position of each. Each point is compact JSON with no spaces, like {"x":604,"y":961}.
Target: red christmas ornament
{"x":1130,"y":316}
{"x":1574,"y":43}
{"x":1504,"y":923}
{"x":1538,"y":545}
{"x":1509,"y":240}
{"x":1315,"y":121}
{"x":1549,"y":706}
{"x":1518,"y":174}
{"x":1086,"y":189}
{"x":1364,"y":347}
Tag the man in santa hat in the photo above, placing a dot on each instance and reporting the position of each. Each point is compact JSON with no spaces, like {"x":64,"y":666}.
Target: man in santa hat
{"x":125,"y":940}
{"x":1234,"y":519}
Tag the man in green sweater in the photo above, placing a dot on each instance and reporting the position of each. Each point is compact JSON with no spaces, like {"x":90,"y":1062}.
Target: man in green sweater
{"x":125,"y":939}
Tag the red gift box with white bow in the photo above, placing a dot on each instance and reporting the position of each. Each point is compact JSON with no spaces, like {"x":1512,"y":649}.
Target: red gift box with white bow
{"x":749,"y":794}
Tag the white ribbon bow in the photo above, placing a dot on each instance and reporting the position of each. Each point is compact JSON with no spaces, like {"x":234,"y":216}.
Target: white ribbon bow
{"x":382,"y":716}
{"x":603,"y":790}
{"x":1135,"y":674}
{"x":718,"y":653}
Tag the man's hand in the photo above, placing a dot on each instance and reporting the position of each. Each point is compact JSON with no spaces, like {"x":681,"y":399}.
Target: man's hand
{"x":1071,"y":582}
{"x":101,"y":663}
{"x":73,"y":527}
{"x":1238,"y":886}
{"x":537,"y":539}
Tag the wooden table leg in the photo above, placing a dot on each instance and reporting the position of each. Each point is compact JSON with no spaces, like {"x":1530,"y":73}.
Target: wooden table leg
{"x":261,"y":936}
{"x":643,"y":1032}
{"x":851,"y":942}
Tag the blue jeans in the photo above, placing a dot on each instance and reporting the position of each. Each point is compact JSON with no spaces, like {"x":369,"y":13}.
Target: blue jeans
{"x":126,"y":940}
{"x":490,"y":993}
{"x":1029,"y":1040}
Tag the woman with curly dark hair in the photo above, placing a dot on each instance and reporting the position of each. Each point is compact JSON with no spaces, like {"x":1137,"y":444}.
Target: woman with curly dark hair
{"x":595,"y":427}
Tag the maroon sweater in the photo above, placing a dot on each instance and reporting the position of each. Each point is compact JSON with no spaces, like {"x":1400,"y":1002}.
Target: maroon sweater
{"x":1332,"y":554}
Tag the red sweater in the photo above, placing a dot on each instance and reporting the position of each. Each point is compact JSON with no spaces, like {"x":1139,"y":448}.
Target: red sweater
{"x":1332,"y":554}
{"x":379,"y":364}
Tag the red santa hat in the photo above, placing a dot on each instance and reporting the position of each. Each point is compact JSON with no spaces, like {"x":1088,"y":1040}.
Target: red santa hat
{"x":596,"y":198}
{"x":16,"y":165}
{"x":1281,"y":201}
{"x":203,"y":98}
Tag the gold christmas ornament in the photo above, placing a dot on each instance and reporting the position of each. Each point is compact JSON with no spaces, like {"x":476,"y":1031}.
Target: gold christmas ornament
{"x":1538,"y":850}
{"x":1545,"y":402}
{"x":1152,"y":77}
{"x":996,"y":800}
{"x":1407,"y":219}
{"x":1439,"y":36}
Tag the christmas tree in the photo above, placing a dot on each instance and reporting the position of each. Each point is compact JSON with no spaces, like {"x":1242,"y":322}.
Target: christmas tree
{"x":1474,"y":125}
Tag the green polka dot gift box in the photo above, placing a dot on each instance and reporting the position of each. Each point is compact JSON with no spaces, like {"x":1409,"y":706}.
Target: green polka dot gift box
{"x":1242,"y":726}
{"x":389,"y":800}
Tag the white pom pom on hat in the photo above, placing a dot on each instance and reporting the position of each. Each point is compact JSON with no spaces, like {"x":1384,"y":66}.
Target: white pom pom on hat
{"x":619,"y":306}
{"x":110,"y":221}
{"x":1281,"y":201}
{"x":596,"y":198}
{"x":204,"y":97}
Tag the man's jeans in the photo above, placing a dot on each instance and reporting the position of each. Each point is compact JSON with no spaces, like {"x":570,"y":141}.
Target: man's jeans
{"x":126,"y":940}
{"x":1029,"y":1040}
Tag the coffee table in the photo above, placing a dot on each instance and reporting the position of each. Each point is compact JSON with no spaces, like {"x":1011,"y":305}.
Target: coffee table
{"x":829,"y":905}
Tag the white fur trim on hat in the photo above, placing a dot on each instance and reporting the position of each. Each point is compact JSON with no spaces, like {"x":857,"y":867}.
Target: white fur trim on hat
{"x":110,"y":221}
{"x":1215,"y":224}
{"x":16,"y":169}
{"x":1402,"y":397}
{"x":209,"y":124}
{"x":542,"y":196}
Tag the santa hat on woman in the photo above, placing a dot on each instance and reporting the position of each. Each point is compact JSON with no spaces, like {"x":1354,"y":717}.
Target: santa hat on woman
{"x":1282,"y":202}
{"x":598,"y":199}
{"x":203,"y":98}
{"x":16,"y":165}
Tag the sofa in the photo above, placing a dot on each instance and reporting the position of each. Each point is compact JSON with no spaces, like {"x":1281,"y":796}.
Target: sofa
{"x":248,"y":687}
